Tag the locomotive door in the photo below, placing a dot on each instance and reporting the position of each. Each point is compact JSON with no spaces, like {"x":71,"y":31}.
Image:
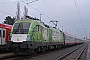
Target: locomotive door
{"x":50,"y":35}
{"x":2,"y":36}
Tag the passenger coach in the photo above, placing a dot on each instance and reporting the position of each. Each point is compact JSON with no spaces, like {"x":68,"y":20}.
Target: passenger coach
{"x":4,"y":35}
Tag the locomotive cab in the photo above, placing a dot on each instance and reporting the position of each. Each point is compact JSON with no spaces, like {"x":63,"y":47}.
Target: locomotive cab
{"x":22,"y":35}
{"x":20,"y":32}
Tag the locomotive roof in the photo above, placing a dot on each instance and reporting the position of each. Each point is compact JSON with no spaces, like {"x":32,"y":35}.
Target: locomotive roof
{"x":31,"y":21}
{"x":40,"y":23}
{"x":23,"y":21}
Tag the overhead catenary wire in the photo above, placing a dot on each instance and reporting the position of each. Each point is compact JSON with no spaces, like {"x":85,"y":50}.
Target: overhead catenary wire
{"x":6,"y":13}
{"x":32,"y":1}
{"x":32,"y":7}
{"x":38,"y":10}
{"x":51,"y":9}
{"x":8,"y":2}
{"x":54,"y":12}
{"x":78,"y":12}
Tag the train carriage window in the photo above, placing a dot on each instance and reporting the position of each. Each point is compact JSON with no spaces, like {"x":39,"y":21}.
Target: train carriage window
{"x":3,"y":34}
{"x":0,"y":33}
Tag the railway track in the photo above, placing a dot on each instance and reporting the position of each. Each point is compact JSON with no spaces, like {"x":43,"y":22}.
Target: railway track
{"x":11,"y":56}
{"x":74,"y":54}
{"x":50,"y":55}
{"x":5,"y":55}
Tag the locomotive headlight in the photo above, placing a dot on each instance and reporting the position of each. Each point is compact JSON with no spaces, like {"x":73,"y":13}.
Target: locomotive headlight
{"x":28,"y":38}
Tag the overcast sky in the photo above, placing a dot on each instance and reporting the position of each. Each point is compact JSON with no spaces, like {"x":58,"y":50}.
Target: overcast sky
{"x":75,"y":19}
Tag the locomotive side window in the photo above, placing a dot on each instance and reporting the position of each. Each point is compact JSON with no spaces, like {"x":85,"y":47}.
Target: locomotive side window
{"x":3,"y":34}
{"x":0,"y":33}
{"x":37,"y":28}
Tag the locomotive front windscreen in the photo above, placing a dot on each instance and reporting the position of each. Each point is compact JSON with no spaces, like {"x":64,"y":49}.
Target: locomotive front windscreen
{"x":21,"y":28}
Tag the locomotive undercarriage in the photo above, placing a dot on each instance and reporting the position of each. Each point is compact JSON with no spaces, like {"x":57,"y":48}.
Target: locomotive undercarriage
{"x":27,"y":48}
{"x":3,"y":47}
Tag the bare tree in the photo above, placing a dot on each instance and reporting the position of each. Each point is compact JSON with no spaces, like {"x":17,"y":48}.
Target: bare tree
{"x":25,"y":12}
{"x":18,"y":12}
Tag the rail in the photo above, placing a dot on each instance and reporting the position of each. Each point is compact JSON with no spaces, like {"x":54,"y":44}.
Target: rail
{"x":67,"y":54}
{"x":81,"y":53}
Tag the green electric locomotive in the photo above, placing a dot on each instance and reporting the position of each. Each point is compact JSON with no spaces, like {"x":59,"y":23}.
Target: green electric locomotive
{"x":28,"y":36}
{"x":32,"y":36}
